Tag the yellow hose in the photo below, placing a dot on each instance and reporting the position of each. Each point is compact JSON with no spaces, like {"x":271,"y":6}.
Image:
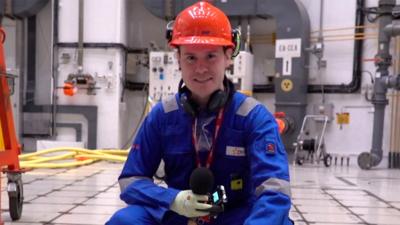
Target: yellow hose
{"x":52,"y":158}
{"x":57,"y":165}
{"x":105,"y":157}
{"x":76,"y":157}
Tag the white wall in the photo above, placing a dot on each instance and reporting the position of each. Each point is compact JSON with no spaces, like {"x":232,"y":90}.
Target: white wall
{"x":96,"y":63}
{"x":104,"y":22}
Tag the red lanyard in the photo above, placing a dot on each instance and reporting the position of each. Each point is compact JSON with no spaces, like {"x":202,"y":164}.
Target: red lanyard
{"x":218,"y":124}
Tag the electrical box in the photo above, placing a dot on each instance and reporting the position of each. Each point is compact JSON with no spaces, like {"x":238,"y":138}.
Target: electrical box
{"x":241,"y":72}
{"x":164,"y":75}
{"x":324,"y":109}
{"x":343,"y":118}
{"x":132,"y":62}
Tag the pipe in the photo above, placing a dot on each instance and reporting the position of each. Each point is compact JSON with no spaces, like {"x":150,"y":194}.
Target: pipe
{"x":80,"y":37}
{"x":366,"y":160}
{"x":100,"y":45}
{"x":54,"y":63}
{"x":320,"y":53}
{"x":355,"y":83}
{"x":320,"y":39}
{"x":391,"y":81}
{"x":31,"y":61}
{"x":346,"y":28}
{"x":394,"y":146}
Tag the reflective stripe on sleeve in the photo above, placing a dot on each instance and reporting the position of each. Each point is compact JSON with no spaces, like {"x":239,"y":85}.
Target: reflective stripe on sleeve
{"x":124,"y":182}
{"x":247,"y":105}
{"x":274,"y":184}
{"x":170,"y":104}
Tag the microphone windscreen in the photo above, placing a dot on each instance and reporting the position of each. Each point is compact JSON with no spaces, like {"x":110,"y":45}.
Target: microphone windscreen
{"x":201,"y":181}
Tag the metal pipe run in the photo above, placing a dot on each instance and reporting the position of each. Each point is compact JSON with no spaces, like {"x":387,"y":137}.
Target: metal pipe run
{"x":383,"y":81}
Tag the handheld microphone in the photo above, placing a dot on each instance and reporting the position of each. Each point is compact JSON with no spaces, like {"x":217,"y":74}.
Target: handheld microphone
{"x":201,"y":183}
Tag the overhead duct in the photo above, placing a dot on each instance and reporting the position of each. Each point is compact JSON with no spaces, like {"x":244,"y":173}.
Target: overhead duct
{"x":293,"y":25}
{"x":21,"y":8}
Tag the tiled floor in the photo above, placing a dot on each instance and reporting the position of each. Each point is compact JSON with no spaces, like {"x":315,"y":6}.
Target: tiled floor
{"x":336,"y":195}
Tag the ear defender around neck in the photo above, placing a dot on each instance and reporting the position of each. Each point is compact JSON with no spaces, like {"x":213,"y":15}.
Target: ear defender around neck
{"x":185,"y":100}
{"x":217,"y":100}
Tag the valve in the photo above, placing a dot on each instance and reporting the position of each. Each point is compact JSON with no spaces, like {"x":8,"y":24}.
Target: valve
{"x":69,"y":88}
{"x":74,"y":82}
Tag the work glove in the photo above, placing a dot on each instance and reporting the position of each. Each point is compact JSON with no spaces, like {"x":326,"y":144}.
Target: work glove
{"x":188,"y":204}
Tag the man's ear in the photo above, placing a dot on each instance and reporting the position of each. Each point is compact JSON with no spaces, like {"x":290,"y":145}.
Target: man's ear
{"x":228,"y":57}
{"x":178,"y":58}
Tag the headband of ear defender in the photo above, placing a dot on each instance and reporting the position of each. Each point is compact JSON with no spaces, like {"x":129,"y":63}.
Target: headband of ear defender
{"x":236,"y":41}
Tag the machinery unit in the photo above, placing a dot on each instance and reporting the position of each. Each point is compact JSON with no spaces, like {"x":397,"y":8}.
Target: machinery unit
{"x":164,"y":75}
{"x":241,"y":72}
{"x":310,"y":146}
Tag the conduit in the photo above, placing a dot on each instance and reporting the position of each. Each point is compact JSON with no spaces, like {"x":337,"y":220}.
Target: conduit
{"x":394,"y":98}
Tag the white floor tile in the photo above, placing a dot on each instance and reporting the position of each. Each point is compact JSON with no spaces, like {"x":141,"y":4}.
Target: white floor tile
{"x":381,"y":219}
{"x":65,"y":196}
{"x":95,"y":209}
{"x":90,"y":219}
{"x":375,"y":211}
{"x":332,"y":218}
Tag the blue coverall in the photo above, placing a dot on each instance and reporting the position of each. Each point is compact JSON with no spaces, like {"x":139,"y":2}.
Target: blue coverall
{"x":249,"y":160}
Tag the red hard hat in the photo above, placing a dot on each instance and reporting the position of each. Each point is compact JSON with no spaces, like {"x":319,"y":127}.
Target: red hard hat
{"x":202,"y":23}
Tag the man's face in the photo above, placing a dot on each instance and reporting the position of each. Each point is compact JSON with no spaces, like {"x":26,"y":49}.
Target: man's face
{"x":203,"y":68}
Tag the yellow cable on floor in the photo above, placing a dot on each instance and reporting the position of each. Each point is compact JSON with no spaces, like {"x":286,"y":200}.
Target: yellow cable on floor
{"x":79,"y":157}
